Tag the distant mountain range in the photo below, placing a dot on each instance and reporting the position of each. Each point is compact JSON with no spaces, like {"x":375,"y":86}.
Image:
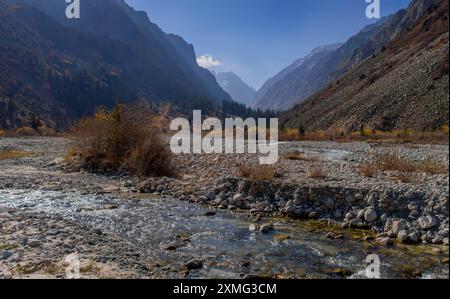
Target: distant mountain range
{"x":314,"y":72}
{"x":395,"y":78}
{"x":61,"y":69}
{"x":283,"y":90}
{"x":236,"y":88}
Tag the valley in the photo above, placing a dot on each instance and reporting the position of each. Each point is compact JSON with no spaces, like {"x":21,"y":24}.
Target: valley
{"x":130,"y":227}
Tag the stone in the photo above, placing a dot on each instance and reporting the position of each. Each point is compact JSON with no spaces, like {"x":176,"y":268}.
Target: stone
{"x":359,"y":196}
{"x":370,"y":215}
{"x":427,"y":222}
{"x":402,"y":236}
{"x":238,"y":197}
{"x":266,"y":228}
{"x":385,"y":241}
{"x":194,"y":264}
{"x":253,"y":227}
{"x":360,"y":214}
{"x":329,"y":203}
{"x":211,"y":195}
{"x":202,"y":199}
{"x":398,"y":226}
{"x":128,"y":184}
{"x":413,"y":238}
{"x":313,"y":215}
{"x":5,"y":255}
{"x":338,"y":214}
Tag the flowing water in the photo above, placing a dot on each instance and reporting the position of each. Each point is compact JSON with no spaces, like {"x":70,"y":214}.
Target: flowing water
{"x":294,"y":250}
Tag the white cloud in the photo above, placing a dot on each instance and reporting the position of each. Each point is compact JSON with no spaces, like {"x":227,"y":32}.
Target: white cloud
{"x":207,"y":61}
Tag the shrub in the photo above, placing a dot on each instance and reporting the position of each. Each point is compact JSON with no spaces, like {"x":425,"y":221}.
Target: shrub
{"x":393,"y":162}
{"x":297,"y":156}
{"x":368,"y":170}
{"x":256,"y":173}
{"x":293,"y":155}
{"x":431,"y":167}
{"x":316,"y":171}
{"x":26,"y":132}
{"x":2,"y":133}
{"x":121,"y":140}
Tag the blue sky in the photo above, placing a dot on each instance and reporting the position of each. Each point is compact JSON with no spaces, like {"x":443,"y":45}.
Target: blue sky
{"x":257,"y":38}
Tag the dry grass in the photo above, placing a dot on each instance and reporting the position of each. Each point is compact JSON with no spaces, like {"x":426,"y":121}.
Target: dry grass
{"x":256,"y":173}
{"x":13,"y":154}
{"x":26,"y":132}
{"x":297,"y":156}
{"x":440,"y":136}
{"x":403,"y":177}
{"x":431,"y":167}
{"x":402,"y":167}
{"x":368,"y":170}
{"x":393,"y":162}
{"x":317,"y":171}
{"x":121,"y":140}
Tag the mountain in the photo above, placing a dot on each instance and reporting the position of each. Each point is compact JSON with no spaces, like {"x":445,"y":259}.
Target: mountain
{"x":236,"y":87}
{"x":267,"y":86}
{"x":305,"y":81}
{"x":403,"y":85}
{"x":61,"y":69}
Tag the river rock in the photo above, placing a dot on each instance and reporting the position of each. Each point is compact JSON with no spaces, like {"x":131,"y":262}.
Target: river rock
{"x":413,"y":238}
{"x":402,"y":236}
{"x":398,"y":226}
{"x":427,"y":222}
{"x":253,"y":227}
{"x":238,"y":197}
{"x":194,"y":264}
{"x":370,"y":215}
{"x":266,"y":228}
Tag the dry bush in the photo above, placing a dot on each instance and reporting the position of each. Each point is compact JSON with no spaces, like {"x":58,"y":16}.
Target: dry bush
{"x":46,"y":131}
{"x":121,"y":140}
{"x":431,"y":167}
{"x":2,"y":133}
{"x":297,"y":156}
{"x":393,"y":162}
{"x":256,"y":173}
{"x":368,"y":170}
{"x":403,"y":177}
{"x":26,"y":132}
{"x":316,"y":171}
{"x":293,"y":155}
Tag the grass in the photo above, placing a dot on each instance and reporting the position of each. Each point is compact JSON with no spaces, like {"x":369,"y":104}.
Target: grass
{"x":403,"y":168}
{"x":297,"y":156}
{"x":316,"y":171}
{"x":256,"y":173}
{"x":439,"y":136}
{"x":118,"y":140}
{"x":14,"y":154}
{"x":368,"y":170}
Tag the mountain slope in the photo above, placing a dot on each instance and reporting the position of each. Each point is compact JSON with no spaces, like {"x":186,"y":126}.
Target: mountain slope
{"x":405,"y":85}
{"x":299,"y":85}
{"x":236,"y":87}
{"x":268,"y":94}
{"x":61,"y":69}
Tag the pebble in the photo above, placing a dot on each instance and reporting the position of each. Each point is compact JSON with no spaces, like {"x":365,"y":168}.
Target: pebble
{"x":194,"y":264}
